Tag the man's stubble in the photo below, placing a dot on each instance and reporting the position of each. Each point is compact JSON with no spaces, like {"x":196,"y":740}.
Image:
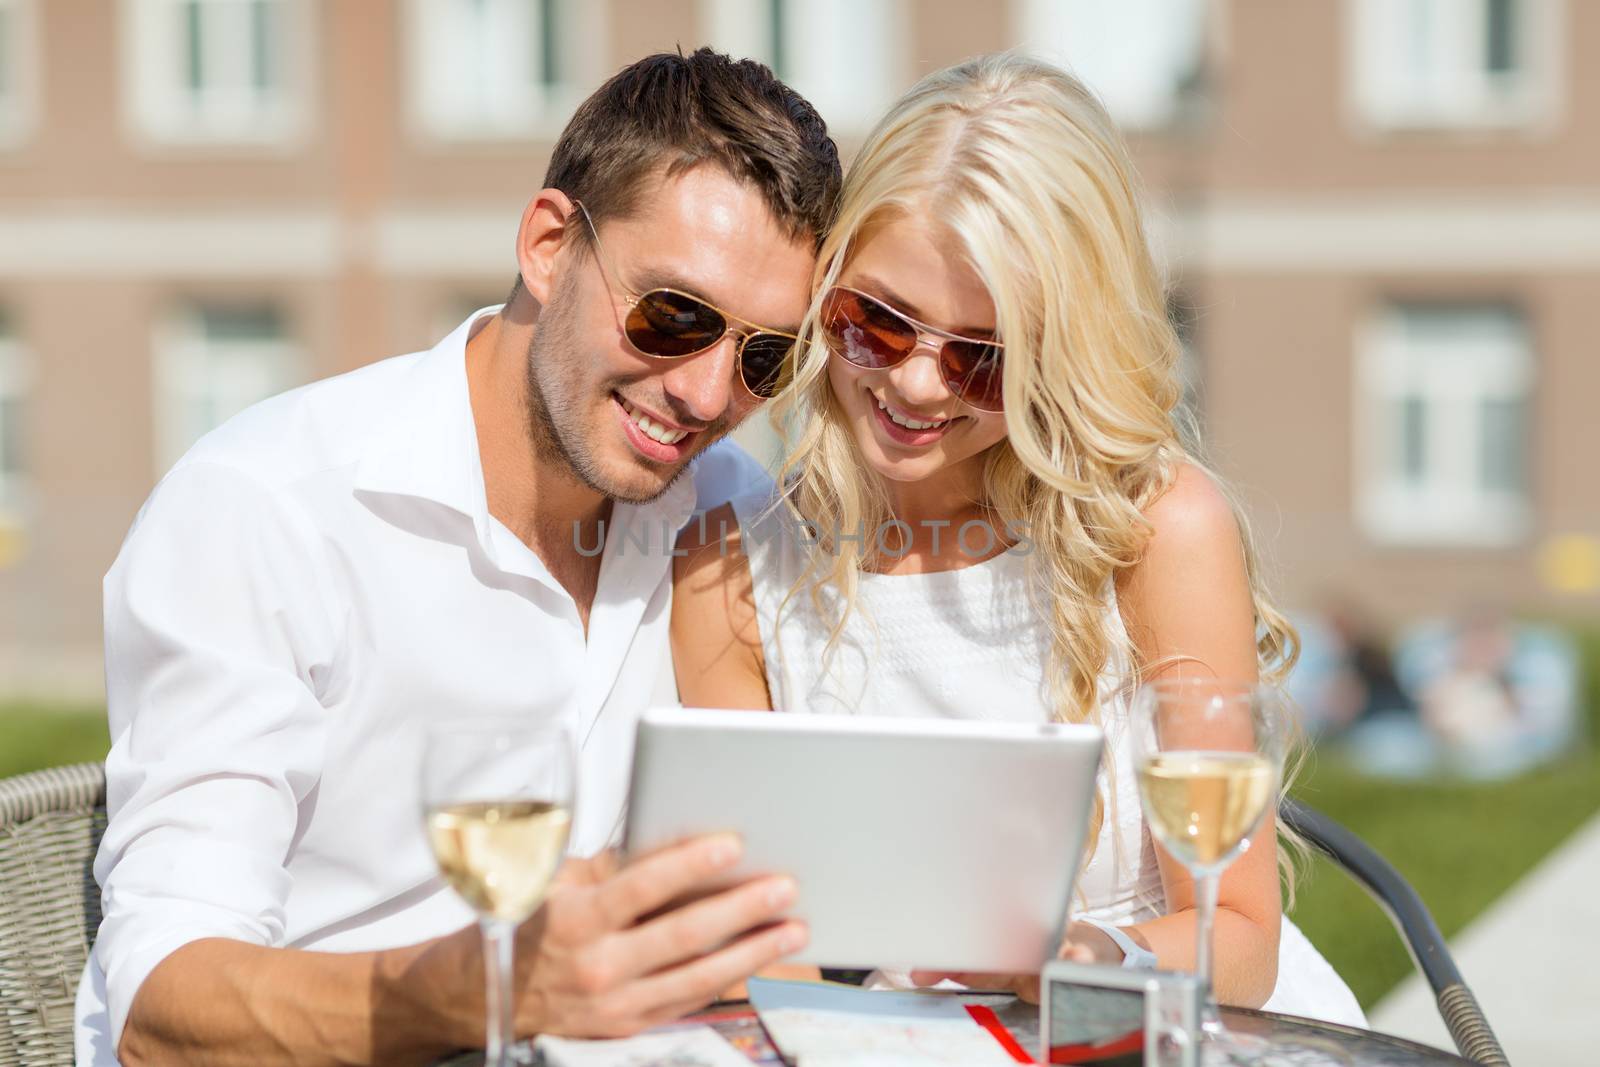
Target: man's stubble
{"x":554,"y":407}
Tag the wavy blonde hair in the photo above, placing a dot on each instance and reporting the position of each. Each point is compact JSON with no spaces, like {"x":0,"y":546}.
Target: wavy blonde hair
{"x":1022,"y":165}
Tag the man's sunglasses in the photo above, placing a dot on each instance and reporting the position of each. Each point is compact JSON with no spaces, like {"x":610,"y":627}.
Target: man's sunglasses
{"x":871,"y":334}
{"x":669,"y":324}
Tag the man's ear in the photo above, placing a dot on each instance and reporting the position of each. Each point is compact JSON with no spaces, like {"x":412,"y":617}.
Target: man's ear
{"x":540,"y":239}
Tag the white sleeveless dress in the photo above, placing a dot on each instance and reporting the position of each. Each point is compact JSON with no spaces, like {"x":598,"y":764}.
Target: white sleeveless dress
{"x":966,"y":644}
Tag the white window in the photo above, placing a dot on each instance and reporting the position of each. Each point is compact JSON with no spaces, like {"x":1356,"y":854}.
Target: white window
{"x":16,"y":379}
{"x":217,"y":71}
{"x":212,"y":362}
{"x":844,"y":56}
{"x":1143,"y":58}
{"x":1442,"y":425}
{"x":1452,"y":63}
{"x":18,"y":86}
{"x":497,"y":69}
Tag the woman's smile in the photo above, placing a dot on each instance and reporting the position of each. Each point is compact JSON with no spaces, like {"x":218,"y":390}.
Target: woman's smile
{"x":905,"y":428}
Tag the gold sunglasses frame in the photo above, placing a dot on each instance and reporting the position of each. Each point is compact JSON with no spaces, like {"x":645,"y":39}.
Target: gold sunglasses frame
{"x":728,"y":318}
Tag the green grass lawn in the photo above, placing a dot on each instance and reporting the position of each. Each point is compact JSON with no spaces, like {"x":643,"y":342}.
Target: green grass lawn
{"x":32,"y":737}
{"x":1461,"y":844}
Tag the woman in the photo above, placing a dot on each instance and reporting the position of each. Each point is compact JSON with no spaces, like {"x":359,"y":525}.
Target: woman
{"x":989,"y":501}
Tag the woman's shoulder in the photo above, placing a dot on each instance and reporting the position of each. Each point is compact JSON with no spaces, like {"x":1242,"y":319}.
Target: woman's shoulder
{"x":1188,"y":596}
{"x":1194,"y":512}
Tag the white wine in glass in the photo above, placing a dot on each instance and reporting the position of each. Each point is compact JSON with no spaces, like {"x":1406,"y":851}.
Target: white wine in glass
{"x":498,"y":797}
{"x":1204,"y":805}
{"x":499,"y":855}
{"x":1209,"y":756}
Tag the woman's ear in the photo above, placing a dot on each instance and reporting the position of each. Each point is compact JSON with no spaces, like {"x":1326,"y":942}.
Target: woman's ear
{"x":540,"y":238}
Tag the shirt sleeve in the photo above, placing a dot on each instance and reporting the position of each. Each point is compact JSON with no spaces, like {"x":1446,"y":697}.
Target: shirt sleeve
{"x":725,"y":471}
{"x":218,"y":641}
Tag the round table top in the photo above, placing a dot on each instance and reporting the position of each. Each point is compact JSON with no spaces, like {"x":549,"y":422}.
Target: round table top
{"x":1296,"y":1042}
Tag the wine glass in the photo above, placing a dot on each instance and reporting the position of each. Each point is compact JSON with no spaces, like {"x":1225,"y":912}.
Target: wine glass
{"x":497,"y":795}
{"x":1209,"y":755}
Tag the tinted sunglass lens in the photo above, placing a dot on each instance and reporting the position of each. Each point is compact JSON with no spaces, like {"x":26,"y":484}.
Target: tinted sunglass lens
{"x":865,"y":332}
{"x":664,"y":323}
{"x":973,"y":371}
{"x":763,"y":361}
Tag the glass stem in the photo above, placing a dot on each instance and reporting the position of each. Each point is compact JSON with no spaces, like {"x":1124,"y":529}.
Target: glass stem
{"x":498,"y":938}
{"x":1205,"y":918}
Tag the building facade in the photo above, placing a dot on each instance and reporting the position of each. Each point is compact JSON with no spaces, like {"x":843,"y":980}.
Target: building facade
{"x":1381,"y":219}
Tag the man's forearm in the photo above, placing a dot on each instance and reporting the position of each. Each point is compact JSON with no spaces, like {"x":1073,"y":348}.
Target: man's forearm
{"x":228,"y":1002}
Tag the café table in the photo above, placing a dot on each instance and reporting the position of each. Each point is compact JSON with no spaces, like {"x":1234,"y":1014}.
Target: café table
{"x":1296,"y":1042}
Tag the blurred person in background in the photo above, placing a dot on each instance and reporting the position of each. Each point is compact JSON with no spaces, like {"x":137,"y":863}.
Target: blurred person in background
{"x":1496,"y":696}
{"x":1345,"y":675}
{"x":1001,"y":519}
{"x":340,"y":563}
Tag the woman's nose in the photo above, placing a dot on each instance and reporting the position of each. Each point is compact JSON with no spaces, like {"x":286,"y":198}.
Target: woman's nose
{"x":918,"y":378}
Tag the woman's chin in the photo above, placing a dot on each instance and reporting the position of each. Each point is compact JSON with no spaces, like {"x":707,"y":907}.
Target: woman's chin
{"x":902,"y":468}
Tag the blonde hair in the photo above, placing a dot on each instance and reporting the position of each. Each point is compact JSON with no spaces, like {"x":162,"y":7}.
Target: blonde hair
{"x":1024,"y":168}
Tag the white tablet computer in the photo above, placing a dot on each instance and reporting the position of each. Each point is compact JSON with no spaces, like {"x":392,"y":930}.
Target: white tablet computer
{"x":915,"y":842}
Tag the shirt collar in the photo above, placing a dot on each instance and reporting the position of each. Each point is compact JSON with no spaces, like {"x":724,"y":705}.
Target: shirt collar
{"x":428,"y":450}
{"x":428,"y":446}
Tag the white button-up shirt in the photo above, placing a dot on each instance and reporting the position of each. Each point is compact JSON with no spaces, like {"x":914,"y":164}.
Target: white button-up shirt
{"x":312,"y":581}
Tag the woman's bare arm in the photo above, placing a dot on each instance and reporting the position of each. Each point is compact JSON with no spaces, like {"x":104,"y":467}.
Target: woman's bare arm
{"x":1188,"y":601}
{"x":716,"y":638}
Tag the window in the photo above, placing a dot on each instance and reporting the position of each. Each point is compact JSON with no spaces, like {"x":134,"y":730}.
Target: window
{"x":1143,"y":58}
{"x":17,"y":85}
{"x":16,"y":378}
{"x":1453,"y":63}
{"x":1443,"y":397}
{"x":207,"y":71}
{"x":495,"y":69}
{"x":842,"y":55}
{"x":211,"y":364}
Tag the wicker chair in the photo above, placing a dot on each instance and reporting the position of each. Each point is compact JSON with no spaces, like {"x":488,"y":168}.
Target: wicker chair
{"x":50,"y":826}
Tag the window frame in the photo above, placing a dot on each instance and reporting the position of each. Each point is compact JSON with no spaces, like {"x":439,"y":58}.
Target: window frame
{"x":19,"y":109}
{"x":17,"y":377}
{"x":576,"y":22}
{"x":182,"y":343}
{"x":1452,"y":506}
{"x":1032,"y":21}
{"x":155,"y":113}
{"x":744,"y":29}
{"x":1375,"y":90}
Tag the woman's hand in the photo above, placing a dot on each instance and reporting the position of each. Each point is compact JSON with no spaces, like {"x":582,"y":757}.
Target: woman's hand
{"x":1083,"y":944}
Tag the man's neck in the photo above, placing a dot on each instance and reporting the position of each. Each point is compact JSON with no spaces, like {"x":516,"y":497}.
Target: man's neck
{"x":535,"y":496}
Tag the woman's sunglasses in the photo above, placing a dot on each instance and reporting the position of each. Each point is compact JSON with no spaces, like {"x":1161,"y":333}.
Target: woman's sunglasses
{"x":668,"y":324}
{"x":871,"y":334}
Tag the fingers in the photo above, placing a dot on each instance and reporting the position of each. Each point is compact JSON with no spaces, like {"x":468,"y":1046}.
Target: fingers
{"x":650,"y":883}
{"x":1076,"y":953}
{"x":696,"y":983}
{"x":697,"y":928}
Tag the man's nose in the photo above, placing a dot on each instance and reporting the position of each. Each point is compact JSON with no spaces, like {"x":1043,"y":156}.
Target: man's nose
{"x":703,"y":384}
{"x":918,"y":378}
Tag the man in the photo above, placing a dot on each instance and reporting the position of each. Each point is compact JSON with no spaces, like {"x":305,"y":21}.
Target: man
{"x":404,"y":543}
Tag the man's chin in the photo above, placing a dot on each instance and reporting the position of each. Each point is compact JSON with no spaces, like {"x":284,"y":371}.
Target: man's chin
{"x":637,"y":480}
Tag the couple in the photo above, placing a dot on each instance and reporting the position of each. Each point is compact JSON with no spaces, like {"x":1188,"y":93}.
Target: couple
{"x":400,"y":543}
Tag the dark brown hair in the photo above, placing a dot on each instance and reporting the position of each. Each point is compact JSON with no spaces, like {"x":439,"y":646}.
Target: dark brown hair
{"x":669,"y":113}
